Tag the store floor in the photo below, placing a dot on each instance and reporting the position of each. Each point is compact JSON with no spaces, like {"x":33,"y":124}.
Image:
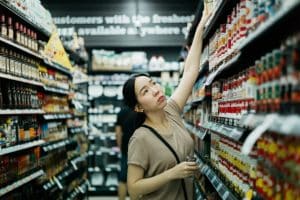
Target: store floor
{"x":105,"y":198}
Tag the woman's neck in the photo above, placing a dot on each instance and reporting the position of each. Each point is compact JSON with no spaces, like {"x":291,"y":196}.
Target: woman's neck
{"x":156,"y":119}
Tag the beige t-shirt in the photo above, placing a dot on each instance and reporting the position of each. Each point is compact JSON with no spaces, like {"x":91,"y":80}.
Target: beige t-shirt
{"x":148,"y":152}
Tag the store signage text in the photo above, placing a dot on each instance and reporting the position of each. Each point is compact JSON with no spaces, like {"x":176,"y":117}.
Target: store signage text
{"x":124,"y":25}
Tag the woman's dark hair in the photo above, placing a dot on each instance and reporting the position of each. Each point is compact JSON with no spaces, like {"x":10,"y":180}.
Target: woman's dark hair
{"x":130,"y":98}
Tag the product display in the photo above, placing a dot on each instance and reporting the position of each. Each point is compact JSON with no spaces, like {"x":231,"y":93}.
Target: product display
{"x":254,"y":83}
{"x":39,"y":149}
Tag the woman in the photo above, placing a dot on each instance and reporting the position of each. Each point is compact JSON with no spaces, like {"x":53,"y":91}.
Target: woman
{"x":154,"y":172}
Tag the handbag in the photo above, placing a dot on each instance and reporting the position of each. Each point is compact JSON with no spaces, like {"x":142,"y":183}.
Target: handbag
{"x":172,"y":151}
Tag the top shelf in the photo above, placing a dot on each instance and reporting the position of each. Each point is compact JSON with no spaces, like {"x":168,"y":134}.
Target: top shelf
{"x":216,"y":15}
{"x":6,"y":5}
{"x":57,"y":67}
{"x":36,"y":55}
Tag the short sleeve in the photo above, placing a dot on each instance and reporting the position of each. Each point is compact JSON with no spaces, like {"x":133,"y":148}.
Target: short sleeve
{"x":137,"y":153}
{"x":173,"y":108}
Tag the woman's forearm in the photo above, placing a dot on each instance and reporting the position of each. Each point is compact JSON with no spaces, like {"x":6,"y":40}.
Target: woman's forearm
{"x":193,"y":59}
{"x":147,"y":185}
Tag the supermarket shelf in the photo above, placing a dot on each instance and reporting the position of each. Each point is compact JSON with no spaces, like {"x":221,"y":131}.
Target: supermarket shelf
{"x":21,"y":112}
{"x":6,"y":5}
{"x":231,"y":132}
{"x":282,"y":124}
{"x":55,"y":90}
{"x":217,"y":183}
{"x":95,"y":169}
{"x":112,"y":83}
{"x":198,"y":100}
{"x":57,"y":116}
{"x":200,"y":132}
{"x":214,"y":17}
{"x":273,"y":21}
{"x":203,"y":65}
{"x":226,"y":65}
{"x":78,"y":159}
{"x":56,"y":179}
{"x":49,"y":185}
{"x":20,"y":182}
{"x":19,"y":79}
{"x":57,"y":66}
{"x":80,"y":189}
{"x":103,"y":190}
{"x":199,"y":192}
{"x":19,"y":47}
{"x":50,"y":147}
{"x":21,"y":147}
{"x":113,"y":168}
{"x":77,"y":130}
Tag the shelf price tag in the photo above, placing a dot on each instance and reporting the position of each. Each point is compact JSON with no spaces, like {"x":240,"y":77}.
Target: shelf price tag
{"x":74,"y":165}
{"x":225,"y":195}
{"x":58,"y":183}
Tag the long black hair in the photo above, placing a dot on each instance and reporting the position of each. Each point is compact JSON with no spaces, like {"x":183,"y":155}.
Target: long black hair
{"x":130,"y":99}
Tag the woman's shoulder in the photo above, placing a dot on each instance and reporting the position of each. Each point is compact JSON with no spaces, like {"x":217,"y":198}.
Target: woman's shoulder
{"x":172,"y":107}
{"x":139,"y":134}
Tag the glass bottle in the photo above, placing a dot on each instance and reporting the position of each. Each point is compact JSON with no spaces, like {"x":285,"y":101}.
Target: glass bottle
{"x":29,"y":39}
{"x":10,"y":96}
{"x":17,"y":35}
{"x":3,"y":26}
{"x":36,"y":47}
{"x":9,"y":68}
{"x":21,"y":35}
{"x":2,"y":60}
{"x":25,"y":36}
{"x":10,"y":29}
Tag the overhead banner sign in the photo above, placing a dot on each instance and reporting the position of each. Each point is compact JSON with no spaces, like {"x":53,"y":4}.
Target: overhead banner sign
{"x":120,"y":24}
{"x":124,"y":25}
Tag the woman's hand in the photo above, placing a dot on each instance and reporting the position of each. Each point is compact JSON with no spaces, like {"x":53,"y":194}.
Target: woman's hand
{"x":184,"y":170}
{"x":205,"y":16}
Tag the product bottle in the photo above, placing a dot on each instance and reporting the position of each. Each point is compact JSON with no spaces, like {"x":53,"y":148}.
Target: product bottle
{"x":17,"y":35}
{"x":21,"y":35}
{"x":29,"y":39}
{"x":14,"y":95}
{"x":10,"y":29}
{"x":11,"y":66}
{"x":6,"y":58}
{"x":3,"y":26}
{"x":10,"y":96}
{"x":2,"y":60}
{"x":25,"y":36}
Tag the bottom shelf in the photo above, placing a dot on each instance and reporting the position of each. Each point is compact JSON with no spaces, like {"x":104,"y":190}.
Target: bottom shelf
{"x":103,"y":191}
{"x":21,"y":182}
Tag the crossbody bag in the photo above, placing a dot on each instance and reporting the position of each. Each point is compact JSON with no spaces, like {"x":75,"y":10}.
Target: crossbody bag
{"x":172,"y":151}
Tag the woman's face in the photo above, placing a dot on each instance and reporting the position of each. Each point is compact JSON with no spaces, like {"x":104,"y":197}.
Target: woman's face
{"x":149,"y":94}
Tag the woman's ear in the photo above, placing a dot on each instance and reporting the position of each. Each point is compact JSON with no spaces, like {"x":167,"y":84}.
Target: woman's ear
{"x":138,"y":108}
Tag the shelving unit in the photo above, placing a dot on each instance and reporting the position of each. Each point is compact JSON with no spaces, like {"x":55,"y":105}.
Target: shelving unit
{"x":20,"y":147}
{"x":6,"y":5}
{"x":21,"y":182}
{"x":234,"y":133}
{"x":33,"y":128}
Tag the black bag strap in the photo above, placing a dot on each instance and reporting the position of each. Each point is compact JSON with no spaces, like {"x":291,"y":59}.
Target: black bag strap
{"x":173,"y":152}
